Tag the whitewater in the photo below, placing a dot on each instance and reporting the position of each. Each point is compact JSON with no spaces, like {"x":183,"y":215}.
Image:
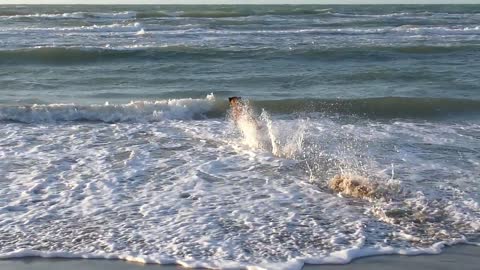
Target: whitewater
{"x":360,"y":134}
{"x":203,"y":193}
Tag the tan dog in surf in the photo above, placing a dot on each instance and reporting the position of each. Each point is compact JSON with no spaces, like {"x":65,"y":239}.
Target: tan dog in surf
{"x":354,"y":186}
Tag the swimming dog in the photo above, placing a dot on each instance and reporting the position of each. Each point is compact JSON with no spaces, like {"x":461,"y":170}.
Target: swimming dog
{"x":257,"y":131}
{"x":241,"y":111}
{"x":235,"y":106}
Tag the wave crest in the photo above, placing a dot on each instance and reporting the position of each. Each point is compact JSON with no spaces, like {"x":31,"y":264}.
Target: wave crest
{"x":133,"y":111}
{"x":70,"y":15}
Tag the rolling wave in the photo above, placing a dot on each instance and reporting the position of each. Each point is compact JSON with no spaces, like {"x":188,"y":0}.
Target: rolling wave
{"x":73,"y":55}
{"x":192,"y":13}
{"x":106,"y":28}
{"x":198,"y":29}
{"x":188,"y":108}
{"x":251,"y":12}
{"x":71,"y":15}
{"x":235,"y":11}
{"x":382,"y":107}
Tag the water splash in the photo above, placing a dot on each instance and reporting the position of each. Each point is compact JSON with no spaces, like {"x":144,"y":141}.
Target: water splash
{"x":262,"y":133}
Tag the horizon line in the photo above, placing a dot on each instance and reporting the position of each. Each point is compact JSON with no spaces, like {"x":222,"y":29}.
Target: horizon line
{"x":252,"y":4}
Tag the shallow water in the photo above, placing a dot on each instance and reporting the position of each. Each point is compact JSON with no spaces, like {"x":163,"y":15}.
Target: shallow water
{"x":112,"y":146}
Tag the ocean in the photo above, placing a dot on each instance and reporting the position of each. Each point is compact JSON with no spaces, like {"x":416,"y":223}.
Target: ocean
{"x":359,"y":134}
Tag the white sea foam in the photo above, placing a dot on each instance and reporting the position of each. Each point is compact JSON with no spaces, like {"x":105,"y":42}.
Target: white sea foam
{"x":337,"y":257}
{"x":193,"y":192}
{"x":76,"y":15}
{"x":115,"y":27}
{"x":141,"y":32}
{"x":113,"y":15}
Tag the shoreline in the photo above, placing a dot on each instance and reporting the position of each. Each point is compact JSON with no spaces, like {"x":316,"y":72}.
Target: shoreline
{"x":462,"y":256}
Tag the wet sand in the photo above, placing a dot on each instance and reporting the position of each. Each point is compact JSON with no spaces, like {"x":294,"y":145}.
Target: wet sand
{"x":463,"y":257}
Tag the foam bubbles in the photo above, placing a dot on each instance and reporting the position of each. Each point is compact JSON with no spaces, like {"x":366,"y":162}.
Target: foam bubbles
{"x":141,"y":32}
{"x":192,"y":192}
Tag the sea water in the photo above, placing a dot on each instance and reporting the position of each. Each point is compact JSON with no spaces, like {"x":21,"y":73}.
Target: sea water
{"x":116,"y":140}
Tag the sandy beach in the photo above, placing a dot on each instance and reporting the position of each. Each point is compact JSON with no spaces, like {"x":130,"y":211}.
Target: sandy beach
{"x":464,"y":257}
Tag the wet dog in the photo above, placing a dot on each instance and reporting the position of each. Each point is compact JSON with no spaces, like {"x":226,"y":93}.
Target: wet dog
{"x":236,"y":107}
{"x":354,"y":186}
{"x":241,"y":111}
{"x":253,"y":129}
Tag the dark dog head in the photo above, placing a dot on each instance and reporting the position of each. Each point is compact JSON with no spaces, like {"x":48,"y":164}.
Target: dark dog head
{"x":234,"y":100}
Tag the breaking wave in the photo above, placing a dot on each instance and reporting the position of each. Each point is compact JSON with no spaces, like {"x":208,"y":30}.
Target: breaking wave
{"x":213,"y":13}
{"x":72,"y":15}
{"x":188,"y":108}
{"x":133,"y":111}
